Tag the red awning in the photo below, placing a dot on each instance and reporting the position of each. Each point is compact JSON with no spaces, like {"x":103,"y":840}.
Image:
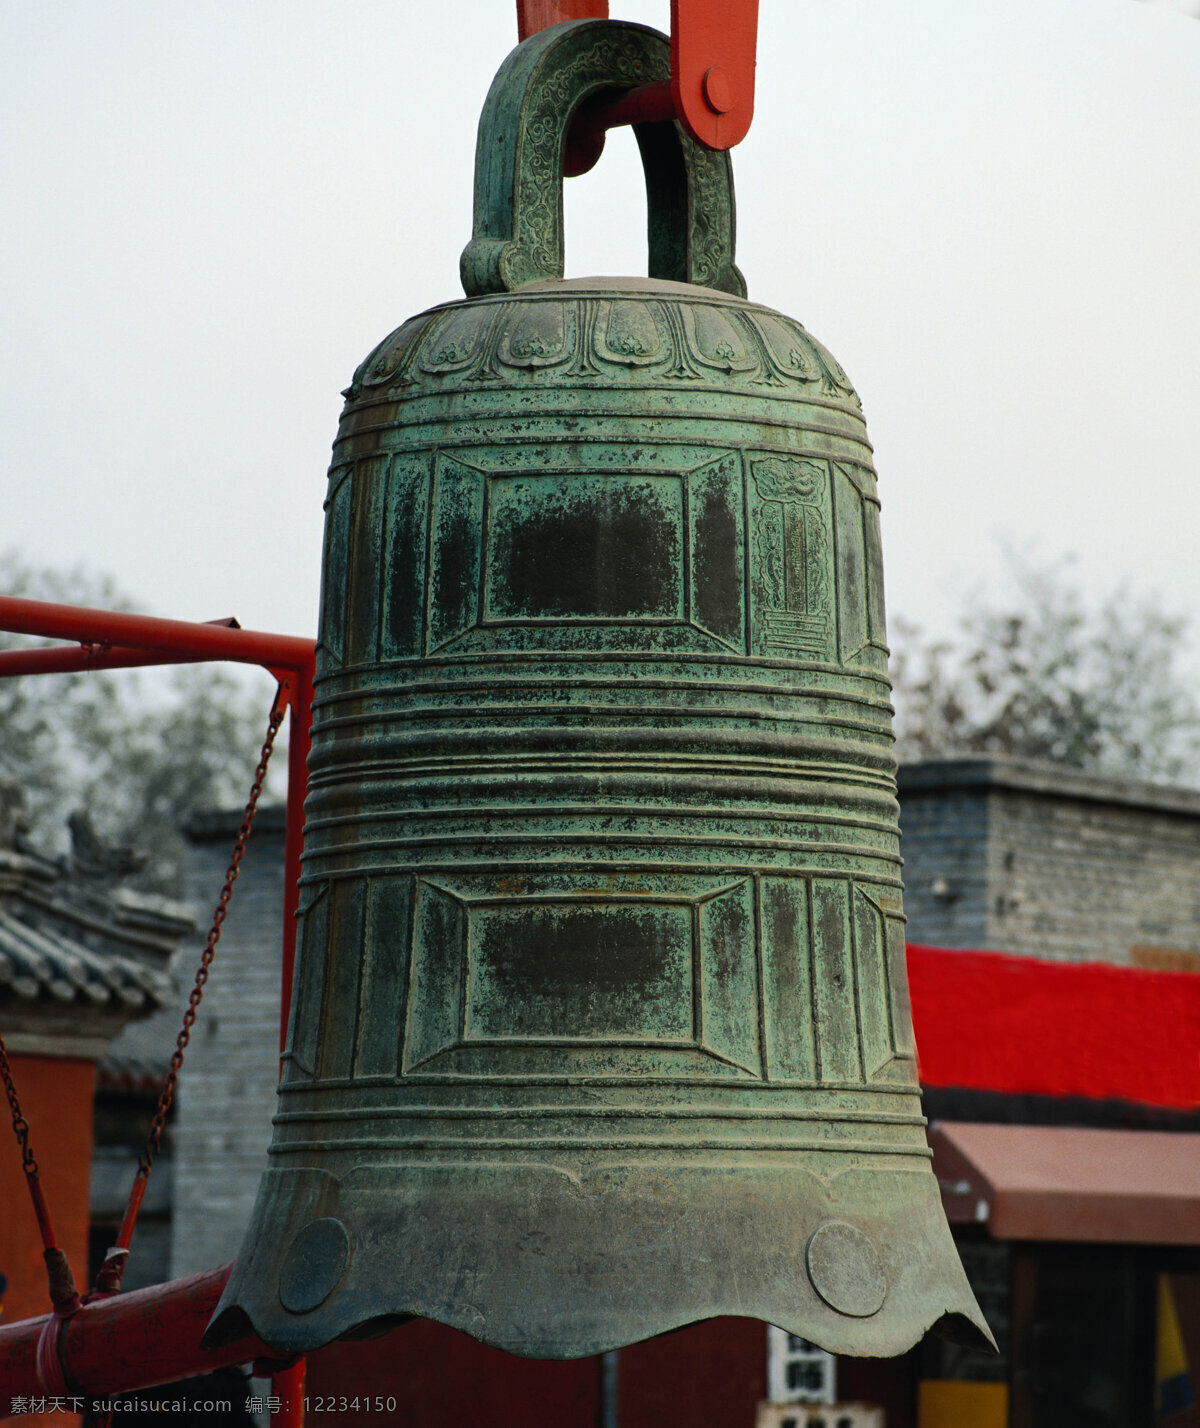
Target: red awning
{"x":1060,"y":1183}
{"x":991,"y":1022}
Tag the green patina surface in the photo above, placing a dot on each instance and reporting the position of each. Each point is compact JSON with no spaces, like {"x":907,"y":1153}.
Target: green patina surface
{"x":601,"y":1023}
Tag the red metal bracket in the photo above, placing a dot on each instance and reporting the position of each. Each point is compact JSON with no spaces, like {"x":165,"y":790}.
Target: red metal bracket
{"x":109,"y":639}
{"x":713,"y":44}
{"x":160,"y":1328}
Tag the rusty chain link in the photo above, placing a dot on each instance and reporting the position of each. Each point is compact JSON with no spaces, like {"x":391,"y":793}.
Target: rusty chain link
{"x":167,"y":1094}
{"x":60,"y":1281}
{"x":19,"y":1124}
{"x":108,"y":1280}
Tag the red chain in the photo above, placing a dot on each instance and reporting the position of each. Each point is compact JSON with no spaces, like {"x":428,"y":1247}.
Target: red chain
{"x":20,"y":1124}
{"x":28,"y":1164}
{"x":108,"y":1280}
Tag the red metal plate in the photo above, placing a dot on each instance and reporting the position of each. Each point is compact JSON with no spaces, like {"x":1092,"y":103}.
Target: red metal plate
{"x":712,"y":68}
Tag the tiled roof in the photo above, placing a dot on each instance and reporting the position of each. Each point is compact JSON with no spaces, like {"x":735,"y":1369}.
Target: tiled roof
{"x":41,"y":963}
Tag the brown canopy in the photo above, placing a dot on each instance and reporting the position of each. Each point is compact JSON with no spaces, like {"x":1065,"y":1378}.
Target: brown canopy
{"x":1056,"y":1183}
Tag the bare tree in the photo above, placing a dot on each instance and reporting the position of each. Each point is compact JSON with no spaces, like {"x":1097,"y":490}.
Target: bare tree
{"x":140,"y":750}
{"x":1045,"y":674}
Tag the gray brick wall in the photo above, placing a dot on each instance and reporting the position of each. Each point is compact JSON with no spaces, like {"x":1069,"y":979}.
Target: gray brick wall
{"x":227,"y":1090}
{"x":1015,"y":856}
{"x":944,"y":846}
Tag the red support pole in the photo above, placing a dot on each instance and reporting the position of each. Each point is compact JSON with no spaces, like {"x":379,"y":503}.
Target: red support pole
{"x":288,"y":1387}
{"x":179,"y":639}
{"x":78,"y":659}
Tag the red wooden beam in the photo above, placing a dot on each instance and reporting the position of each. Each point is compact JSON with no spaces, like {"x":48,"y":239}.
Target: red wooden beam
{"x":126,"y":1342}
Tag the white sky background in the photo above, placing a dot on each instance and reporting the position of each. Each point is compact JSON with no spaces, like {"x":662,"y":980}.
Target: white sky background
{"x":988,"y":209}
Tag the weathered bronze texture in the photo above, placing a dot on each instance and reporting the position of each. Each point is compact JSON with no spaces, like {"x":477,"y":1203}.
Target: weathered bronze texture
{"x":601,"y":1023}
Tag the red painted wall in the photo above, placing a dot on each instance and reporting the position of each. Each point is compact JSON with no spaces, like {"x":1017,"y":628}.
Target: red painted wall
{"x":1020,"y":1025}
{"x":441,"y":1378}
{"x":709,"y":1375}
{"x":56,"y":1098}
{"x":701,"y":1376}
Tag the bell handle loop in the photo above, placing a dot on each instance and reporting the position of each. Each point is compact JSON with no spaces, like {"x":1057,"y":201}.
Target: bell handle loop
{"x":518,"y":229}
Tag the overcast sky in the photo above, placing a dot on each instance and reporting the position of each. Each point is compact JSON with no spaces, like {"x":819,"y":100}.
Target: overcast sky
{"x":988,"y":209}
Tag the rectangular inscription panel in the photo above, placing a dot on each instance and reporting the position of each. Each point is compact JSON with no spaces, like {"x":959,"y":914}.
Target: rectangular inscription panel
{"x":595,"y":546}
{"x":573,"y":971}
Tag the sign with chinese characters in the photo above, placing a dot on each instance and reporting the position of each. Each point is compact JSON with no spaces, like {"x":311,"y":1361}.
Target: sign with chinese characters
{"x":797,"y":1371}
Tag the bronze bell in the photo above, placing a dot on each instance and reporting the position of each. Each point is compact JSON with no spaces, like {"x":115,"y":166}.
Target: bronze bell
{"x":601,"y":1023}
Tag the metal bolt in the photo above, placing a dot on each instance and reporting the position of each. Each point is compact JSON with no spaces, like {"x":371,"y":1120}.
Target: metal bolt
{"x":717,"y":93}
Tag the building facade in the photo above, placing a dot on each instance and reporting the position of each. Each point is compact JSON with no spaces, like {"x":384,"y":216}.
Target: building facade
{"x":1044,"y":861}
